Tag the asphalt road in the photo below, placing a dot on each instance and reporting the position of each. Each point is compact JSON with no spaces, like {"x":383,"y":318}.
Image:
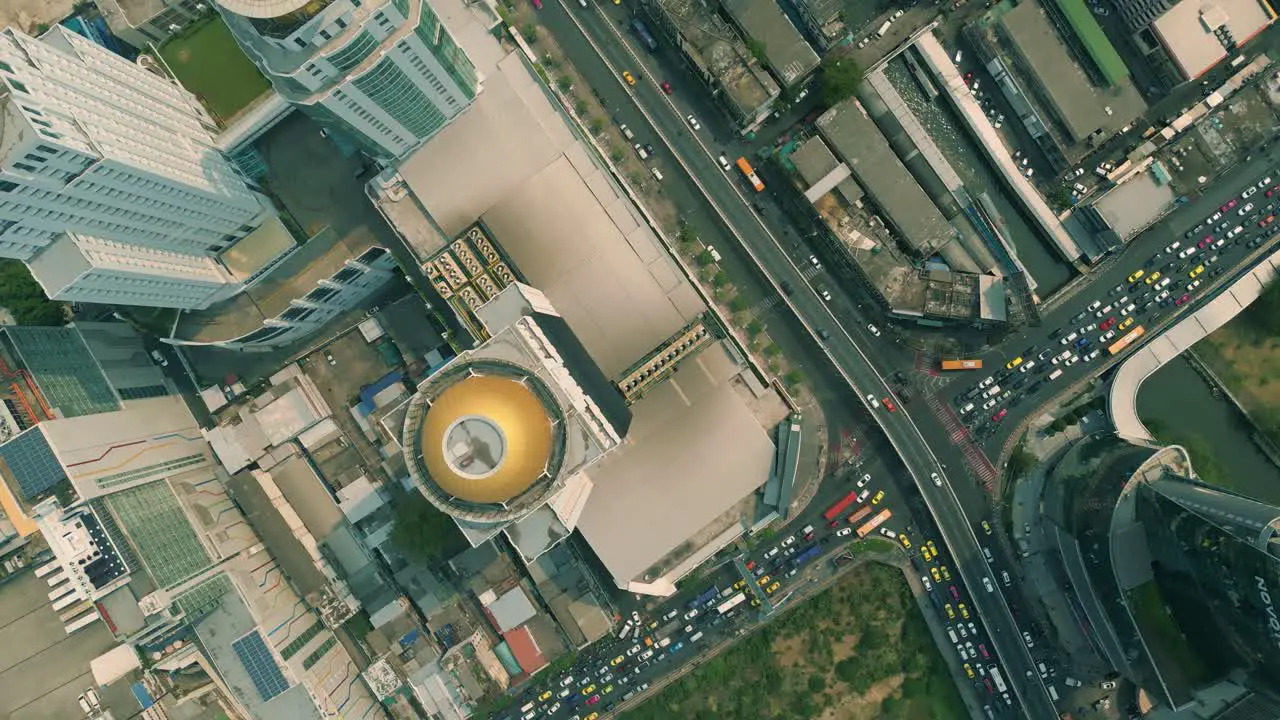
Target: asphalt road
{"x":854,"y":349}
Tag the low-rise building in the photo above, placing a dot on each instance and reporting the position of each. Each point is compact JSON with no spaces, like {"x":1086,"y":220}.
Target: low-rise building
{"x":787,"y":53}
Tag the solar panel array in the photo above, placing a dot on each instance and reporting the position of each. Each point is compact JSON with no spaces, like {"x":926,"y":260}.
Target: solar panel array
{"x":33,"y":463}
{"x":262,"y":667}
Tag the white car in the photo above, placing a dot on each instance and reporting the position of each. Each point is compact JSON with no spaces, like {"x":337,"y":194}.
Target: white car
{"x":924,"y":579}
{"x":1026,"y":637}
{"x":1104,"y":311}
{"x":724,"y":163}
{"x":768,"y":554}
{"x":888,"y":533}
{"x":1162,"y":296}
{"x":871,"y":400}
{"x":1248,"y":207}
{"x":1027,"y":366}
{"x":1106,"y":336}
{"x":694,"y":612}
{"x":693,"y":123}
{"x":936,"y":480}
{"x":865,"y":479}
{"x":1220,"y":243}
{"x":1264,"y":182}
{"x":1128,"y":309}
{"x":1059,"y":358}
{"x":989,"y":404}
{"x":807,"y":529}
{"x":846,"y":531}
{"x":1248,"y":193}
{"x":1092,"y":356}
{"x":1095,"y":304}
{"x":1163,"y":283}
{"x":1072,"y":360}
{"x":1187,"y":253}
{"x":633,"y":650}
{"x":1193,"y":285}
{"x":990,"y":379}
{"x":1070,"y":338}
{"x":986,"y":583}
{"x":873,"y":330}
{"x":1176,"y":245}
{"x":567,"y":681}
{"x":789,"y":541}
{"x":862,"y":496}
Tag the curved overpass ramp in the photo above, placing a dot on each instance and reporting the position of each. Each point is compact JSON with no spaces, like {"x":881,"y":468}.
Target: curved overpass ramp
{"x":1122,"y":402}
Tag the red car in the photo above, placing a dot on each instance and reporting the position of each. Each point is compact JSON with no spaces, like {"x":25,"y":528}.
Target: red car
{"x":1183,"y":299}
{"x":751,"y":564}
{"x":1205,"y":242}
{"x":537,"y":3}
{"x":983,"y":649}
{"x":1230,"y":204}
{"x":666,"y":87}
{"x":593,"y":700}
{"x":1266,"y":221}
{"x":987,"y":682}
{"x":888,"y":404}
{"x":955,"y":594}
{"x":1000,"y":415}
{"x":1107,"y":324}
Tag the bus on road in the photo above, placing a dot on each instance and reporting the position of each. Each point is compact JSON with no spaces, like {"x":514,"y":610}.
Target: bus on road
{"x":1126,"y":340}
{"x":998,"y":681}
{"x":862,"y":512}
{"x":646,"y":37}
{"x":834,"y":511}
{"x":961,"y":364}
{"x":874,"y":523}
{"x":731,"y":603}
{"x":752,"y":178}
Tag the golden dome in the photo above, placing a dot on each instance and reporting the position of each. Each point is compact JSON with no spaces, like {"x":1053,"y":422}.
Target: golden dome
{"x":486,"y":439}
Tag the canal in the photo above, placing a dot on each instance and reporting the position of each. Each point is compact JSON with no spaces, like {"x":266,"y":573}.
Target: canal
{"x":1178,"y":405}
{"x":1042,"y":262}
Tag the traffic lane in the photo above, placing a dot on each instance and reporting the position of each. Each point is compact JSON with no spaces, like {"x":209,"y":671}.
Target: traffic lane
{"x":809,"y":304}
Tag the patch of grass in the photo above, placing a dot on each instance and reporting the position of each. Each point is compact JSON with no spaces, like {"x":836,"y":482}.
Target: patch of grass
{"x":860,"y":649}
{"x":1204,"y":460}
{"x":1245,"y":355}
{"x":209,"y":63}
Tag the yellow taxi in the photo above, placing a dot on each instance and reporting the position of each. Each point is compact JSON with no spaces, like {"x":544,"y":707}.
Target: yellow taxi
{"x":946,"y":574}
{"x":1195,"y":272}
{"x":968,"y":670}
{"x":617,"y":661}
{"x":964,"y":611}
{"x":1137,"y":274}
{"x":773,"y":587}
{"x":1127,"y":322}
{"x":607,"y":689}
{"x":544,"y":696}
{"x":932,"y":548}
{"x":1013,"y":363}
{"x":755,"y":602}
{"x":879,"y":496}
{"x":937,"y":577}
{"x":951,"y":613}
{"x":925,"y":554}
{"x":1152,"y":277}
{"x":764,"y":581}
{"x":626,"y":75}
{"x":593,"y":716}
{"x":740,"y":584}
{"x":906,"y":542}
{"x":587,"y":690}
{"x":986,"y":527}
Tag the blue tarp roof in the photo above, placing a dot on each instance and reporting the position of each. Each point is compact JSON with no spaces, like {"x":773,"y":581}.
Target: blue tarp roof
{"x":368,"y":392}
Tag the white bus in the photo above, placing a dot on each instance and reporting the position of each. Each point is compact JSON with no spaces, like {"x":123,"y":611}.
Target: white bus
{"x":995,"y":678}
{"x":731,"y":603}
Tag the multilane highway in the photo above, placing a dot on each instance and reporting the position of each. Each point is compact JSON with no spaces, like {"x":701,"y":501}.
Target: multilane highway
{"x":853,"y":349}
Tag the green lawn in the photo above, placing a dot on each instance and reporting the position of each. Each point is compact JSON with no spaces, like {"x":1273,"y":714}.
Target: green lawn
{"x":1180,"y":665}
{"x":859,"y":650}
{"x":209,"y":63}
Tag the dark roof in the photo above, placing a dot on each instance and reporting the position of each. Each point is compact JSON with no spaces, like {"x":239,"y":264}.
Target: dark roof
{"x":586,"y":372}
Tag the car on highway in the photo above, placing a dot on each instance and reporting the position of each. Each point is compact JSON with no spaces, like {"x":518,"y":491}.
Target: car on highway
{"x":1136,"y":274}
{"x":873,"y":330}
{"x":773,"y":587}
{"x":1026,"y":638}
{"x":862,"y":496}
{"x":990,"y":403}
{"x":843,"y":532}
{"x":964,"y":611}
{"x":986,"y":527}
{"x":983,"y":383}
{"x":1193,"y":285}
{"x":937,"y":576}
{"x":626,"y":75}
{"x":693,"y":123}
{"x":879,"y":496}
{"x":1195,"y":272}
{"x":1070,"y":338}
{"x":666,"y":87}
{"x":1095,"y":305}
{"x":986,"y":583}
{"x":1027,"y":367}
{"x":946,"y":574}
{"x":1152,"y":277}
{"x":924,"y":580}
{"x":888,"y":404}
{"x":866,"y":478}
{"x":1186,"y":253}
{"x":544,"y":696}
{"x":1013,"y":363}
{"x":1108,"y":323}
{"x":1174,"y":246}
{"x":936,"y":480}
{"x":951,"y":612}
{"x":1104,"y":311}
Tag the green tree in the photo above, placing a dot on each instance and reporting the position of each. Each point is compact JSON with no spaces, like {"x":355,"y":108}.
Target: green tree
{"x":23,"y":296}
{"x":838,"y":78}
{"x":793,"y":378}
{"x":596,"y":124}
{"x":754,"y":328}
{"x":720,"y":279}
{"x":530,"y":33}
{"x":704,"y":258}
{"x":1059,"y":196}
{"x":565,"y":83}
{"x":739,"y":304}
{"x":580,"y":107}
{"x":616,"y":156}
{"x":1264,"y":313}
{"x":757,"y":50}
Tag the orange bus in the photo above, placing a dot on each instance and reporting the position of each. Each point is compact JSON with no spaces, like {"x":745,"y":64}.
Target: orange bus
{"x":874,"y":523}
{"x":754,"y":179}
{"x":961,"y":364}
{"x":1125,"y":341}
{"x":863,"y":511}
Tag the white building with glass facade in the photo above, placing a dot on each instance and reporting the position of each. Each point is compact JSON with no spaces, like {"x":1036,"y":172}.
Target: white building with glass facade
{"x":111,"y":171}
{"x":386,"y":73}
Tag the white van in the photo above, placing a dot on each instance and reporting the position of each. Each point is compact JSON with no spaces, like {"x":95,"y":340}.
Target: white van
{"x":951,"y":633}
{"x":1055,"y":374}
{"x":966,"y":409}
{"x":626,"y":132}
{"x":657,"y":174}
{"x":527,"y":707}
{"x":696,"y":637}
{"x":1053,"y":693}
{"x":640,"y":152}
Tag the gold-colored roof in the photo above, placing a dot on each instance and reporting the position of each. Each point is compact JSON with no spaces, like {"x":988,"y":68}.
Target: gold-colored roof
{"x":493,"y":402}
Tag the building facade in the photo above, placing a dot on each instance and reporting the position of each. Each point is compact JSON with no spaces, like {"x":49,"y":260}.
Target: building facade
{"x":1216,"y":557}
{"x":111,"y":168}
{"x":386,"y":73}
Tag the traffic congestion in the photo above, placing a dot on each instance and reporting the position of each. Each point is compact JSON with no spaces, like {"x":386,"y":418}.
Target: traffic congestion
{"x":1112,"y":322}
{"x":648,"y":645}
